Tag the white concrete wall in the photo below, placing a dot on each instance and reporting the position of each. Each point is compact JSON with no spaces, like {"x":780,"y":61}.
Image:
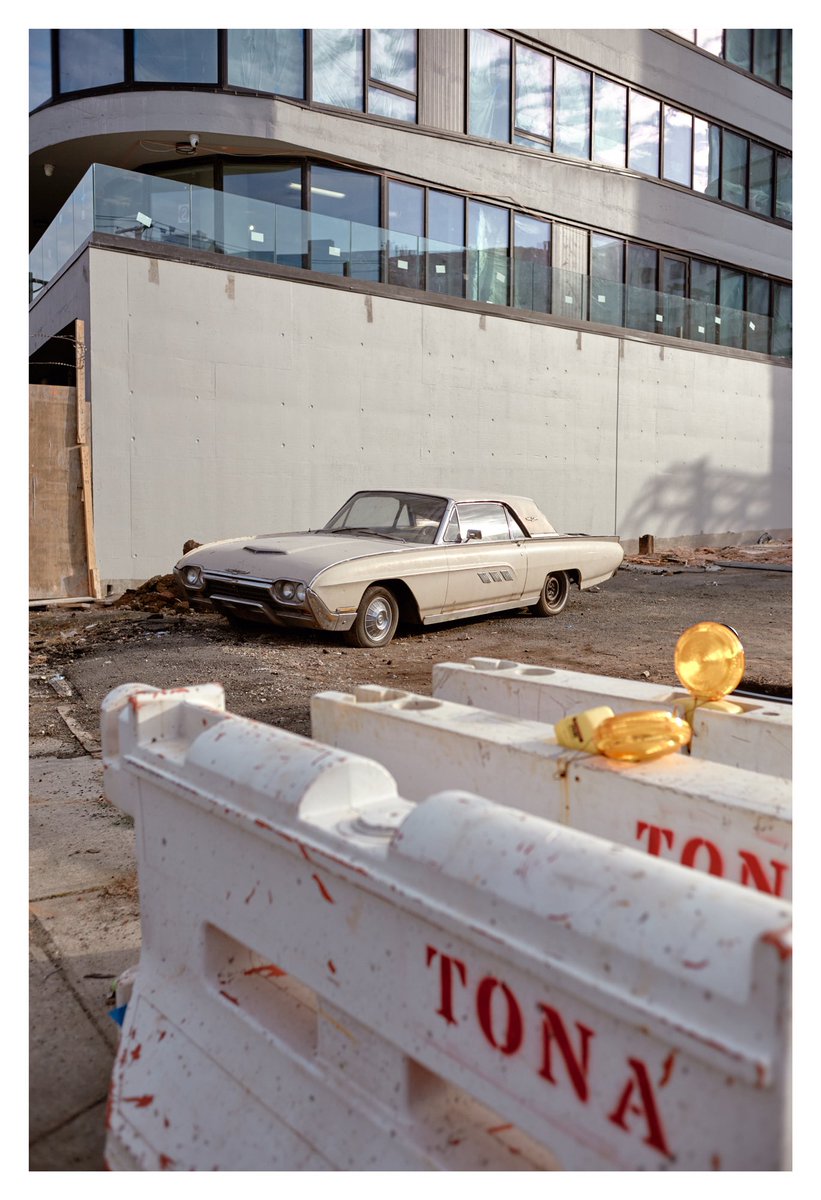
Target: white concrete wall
{"x":225,"y":404}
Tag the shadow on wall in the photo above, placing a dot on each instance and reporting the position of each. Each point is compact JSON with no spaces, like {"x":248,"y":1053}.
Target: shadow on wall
{"x":703,"y":498}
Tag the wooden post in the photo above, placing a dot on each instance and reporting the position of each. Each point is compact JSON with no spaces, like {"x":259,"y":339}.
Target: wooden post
{"x":83,"y":441}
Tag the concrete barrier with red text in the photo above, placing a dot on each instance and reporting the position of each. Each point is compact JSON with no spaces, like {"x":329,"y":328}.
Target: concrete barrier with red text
{"x":702,"y":814}
{"x":334,"y":977}
{"x":757,"y":739}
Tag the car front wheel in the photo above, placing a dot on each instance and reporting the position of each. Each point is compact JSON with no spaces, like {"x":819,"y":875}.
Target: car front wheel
{"x":376,"y":619}
{"x":554,"y":595}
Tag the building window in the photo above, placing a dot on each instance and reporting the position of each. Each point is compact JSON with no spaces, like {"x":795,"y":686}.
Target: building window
{"x":531,"y":263}
{"x":644,"y":134}
{"x":703,"y":296}
{"x":406,"y":228}
{"x":738,"y":48}
{"x":642,"y":285}
{"x":785,"y":59}
{"x":606,"y":279}
{"x":678,"y":146}
{"x":251,"y":222}
{"x":175,"y":55}
{"x":489,"y":89}
{"x":706,"y":157}
{"x":39,"y":67}
{"x":735,"y":151}
{"x":572,"y":110}
{"x":710,"y":39}
{"x":392,"y":83}
{"x":446,"y":244}
{"x":761,"y":179}
{"x":782,"y":320}
{"x":673,"y":303}
{"x":609,"y":122}
{"x":731,"y":301}
{"x":90,"y":58}
{"x":488,"y":249}
{"x":345,"y":233}
{"x":757,"y":316}
{"x":338,"y":66}
{"x":534,"y":99}
{"x":765,"y":54}
{"x":783,"y":187}
{"x":267,"y":60}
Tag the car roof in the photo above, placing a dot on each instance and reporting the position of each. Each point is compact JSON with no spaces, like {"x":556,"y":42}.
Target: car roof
{"x":526,"y":509}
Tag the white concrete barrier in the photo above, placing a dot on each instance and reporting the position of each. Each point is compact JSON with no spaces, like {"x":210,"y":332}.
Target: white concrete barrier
{"x":718,"y":819}
{"x":333,"y":977}
{"x":757,"y":739}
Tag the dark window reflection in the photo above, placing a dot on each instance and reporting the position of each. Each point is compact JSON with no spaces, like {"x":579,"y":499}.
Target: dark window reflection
{"x":734,"y":169}
{"x":267,"y":60}
{"x":738,"y":48}
{"x":446,"y":240}
{"x":765,"y":54}
{"x":703,"y":301}
{"x":642,"y":285}
{"x":783,"y":194}
{"x":90,"y":58}
{"x":782,"y":320}
{"x":175,"y":55}
{"x":785,"y":59}
{"x":345,"y":234}
{"x":531,"y":253}
{"x":761,"y":179}
{"x":606,"y":279}
{"x":406,"y":226}
{"x":757,"y":332}
{"x":731,"y":302}
{"x":488,"y":266}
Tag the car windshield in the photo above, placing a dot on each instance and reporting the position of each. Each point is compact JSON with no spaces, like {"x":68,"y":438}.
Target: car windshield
{"x":405,"y":515}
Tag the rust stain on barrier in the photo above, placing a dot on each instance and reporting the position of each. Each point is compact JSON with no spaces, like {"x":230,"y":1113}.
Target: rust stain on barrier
{"x":715,"y":1162}
{"x":269,"y":970}
{"x":326,"y":895}
{"x":331,"y":966}
{"x":695,"y":966}
{"x":135,"y":1053}
{"x":140,"y":1101}
{"x":499,"y":1128}
{"x":667,"y":1069}
{"x":233,"y":999}
{"x":263,"y":824}
{"x":250,"y":895}
{"x":780,"y":939}
{"x":165,"y":1162}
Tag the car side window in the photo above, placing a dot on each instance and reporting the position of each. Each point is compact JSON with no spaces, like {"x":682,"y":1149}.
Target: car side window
{"x":516,"y":531}
{"x":451,"y":534}
{"x":490,"y":519}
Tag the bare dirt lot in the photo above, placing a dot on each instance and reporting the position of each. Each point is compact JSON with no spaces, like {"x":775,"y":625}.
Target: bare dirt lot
{"x":628,"y":627}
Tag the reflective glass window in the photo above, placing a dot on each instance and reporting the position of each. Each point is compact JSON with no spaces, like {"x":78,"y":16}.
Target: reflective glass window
{"x":90,"y":58}
{"x":783,"y":188}
{"x":734,"y":169}
{"x":534,"y":93}
{"x":351,"y":195}
{"x":39,"y":67}
{"x":606,"y":279}
{"x":642,"y":283}
{"x":446,"y":240}
{"x":609,"y":122}
{"x":254,"y":194}
{"x":703,"y":301}
{"x":345,"y":234}
{"x":406,"y":226}
{"x":393,"y":57}
{"x":757,"y":332}
{"x":645,"y":115}
{"x":673,"y":292}
{"x":678,"y":145}
{"x":782,"y":320}
{"x":338,"y":66}
{"x":738,"y":47}
{"x":489,"y":91}
{"x":765,"y":54}
{"x":785,"y":59}
{"x":175,"y":55}
{"x":267,"y":60}
{"x":731,"y":302}
{"x":689,"y":35}
{"x":761,"y":179}
{"x":488,"y":242}
{"x":388,"y":104}
{"x":489,"y":519}
{"x":710,"y":39}
{"x":572,"y":110}
{"x":531,"y":253}
{"x":706,"y":157}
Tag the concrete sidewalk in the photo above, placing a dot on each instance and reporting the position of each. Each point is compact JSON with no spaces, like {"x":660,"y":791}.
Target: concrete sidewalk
{"x":84,"y":931}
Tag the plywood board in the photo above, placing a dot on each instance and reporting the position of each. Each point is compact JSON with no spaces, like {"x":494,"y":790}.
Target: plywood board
{"x":58,"y":563}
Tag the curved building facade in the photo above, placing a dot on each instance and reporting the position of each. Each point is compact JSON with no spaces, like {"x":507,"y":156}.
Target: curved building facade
{"x":552,"y":261}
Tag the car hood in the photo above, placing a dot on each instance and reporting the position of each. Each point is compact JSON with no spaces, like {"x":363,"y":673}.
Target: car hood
{"x":298,"y":556}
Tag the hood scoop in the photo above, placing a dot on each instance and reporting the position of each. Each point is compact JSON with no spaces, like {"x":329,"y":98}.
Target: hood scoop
{"x":264,"y":550}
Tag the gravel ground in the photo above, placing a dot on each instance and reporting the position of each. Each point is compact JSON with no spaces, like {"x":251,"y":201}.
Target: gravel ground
{"x":629,"y":628}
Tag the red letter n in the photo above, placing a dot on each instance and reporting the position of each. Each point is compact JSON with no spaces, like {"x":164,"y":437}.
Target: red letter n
{"x":446,"y":982}
{"x":753,"y":871}
{"x":553,"y":1029}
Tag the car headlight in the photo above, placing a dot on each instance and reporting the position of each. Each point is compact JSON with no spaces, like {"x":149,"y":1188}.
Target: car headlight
{"x":288,"y":591}
{"x":192,"y":576}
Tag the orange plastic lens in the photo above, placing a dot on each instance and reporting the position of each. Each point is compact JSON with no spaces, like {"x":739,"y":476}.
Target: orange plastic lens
{"x":709,"y":660}
{"x":639,"y":736}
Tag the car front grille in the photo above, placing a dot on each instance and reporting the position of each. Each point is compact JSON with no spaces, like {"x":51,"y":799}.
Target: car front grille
{"x":244,"y":589}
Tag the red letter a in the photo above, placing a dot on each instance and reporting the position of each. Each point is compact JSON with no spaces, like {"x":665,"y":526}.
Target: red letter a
{"x":647,"y":1108}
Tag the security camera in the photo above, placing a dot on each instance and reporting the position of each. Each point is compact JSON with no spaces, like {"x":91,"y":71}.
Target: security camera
{"x":48,"y":169}
{"x":194,"y":139}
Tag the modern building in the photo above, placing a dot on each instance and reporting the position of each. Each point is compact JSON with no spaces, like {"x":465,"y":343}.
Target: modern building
{"x":270,"y":266}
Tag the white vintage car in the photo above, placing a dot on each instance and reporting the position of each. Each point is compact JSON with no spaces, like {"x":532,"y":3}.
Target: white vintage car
{"x":386,"y":556}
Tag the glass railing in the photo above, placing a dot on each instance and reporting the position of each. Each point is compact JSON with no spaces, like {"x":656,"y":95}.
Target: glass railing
{"x":155,"y":210}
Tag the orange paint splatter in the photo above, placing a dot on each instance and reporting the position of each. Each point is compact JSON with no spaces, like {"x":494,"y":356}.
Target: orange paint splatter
{"x":140,"y":1101}
{"x":269,"y":970}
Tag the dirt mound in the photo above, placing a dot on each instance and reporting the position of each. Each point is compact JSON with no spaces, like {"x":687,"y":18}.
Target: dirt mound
{"x":703,"y":556}
{"x":162,"y":593}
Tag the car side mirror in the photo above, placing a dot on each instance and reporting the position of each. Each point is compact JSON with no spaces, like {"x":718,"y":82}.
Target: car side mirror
{"x":474,"y":535}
